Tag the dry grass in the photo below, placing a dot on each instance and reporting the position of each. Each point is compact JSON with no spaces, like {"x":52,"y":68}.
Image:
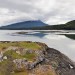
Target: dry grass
{"x":44,"y":70}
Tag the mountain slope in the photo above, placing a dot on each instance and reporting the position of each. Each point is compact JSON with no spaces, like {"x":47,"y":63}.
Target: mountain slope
{"x":71,"y":24}
{"x":68,"y":26}
{"x":24,"y":25}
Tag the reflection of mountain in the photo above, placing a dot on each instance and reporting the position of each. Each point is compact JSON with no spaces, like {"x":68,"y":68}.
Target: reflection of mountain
{"x":36,"y":34}
{"x":71,"y":36}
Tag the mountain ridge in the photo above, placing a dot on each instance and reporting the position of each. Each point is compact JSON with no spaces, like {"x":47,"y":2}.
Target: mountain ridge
{"x":39,"y":25}
{"x":67,"y":26}
{"x":25,"y":24}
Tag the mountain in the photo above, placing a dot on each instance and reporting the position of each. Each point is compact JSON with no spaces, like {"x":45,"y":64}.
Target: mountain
{"x":68,"y":26}
{"x":24,"y":25}
{"x":39,"y":25}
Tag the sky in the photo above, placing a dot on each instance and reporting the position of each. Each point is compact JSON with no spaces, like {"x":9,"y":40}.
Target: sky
{"x":49,"y":11}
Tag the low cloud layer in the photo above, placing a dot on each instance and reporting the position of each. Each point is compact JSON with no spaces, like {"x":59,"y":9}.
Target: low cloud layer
{"x":49,"y":11}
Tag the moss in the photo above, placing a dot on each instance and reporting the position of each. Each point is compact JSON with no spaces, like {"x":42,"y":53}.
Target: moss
{"x":21,"y":73}
{"x":28,"y":45}
{"x":13,"y":54}
{"x":31,"y":45}
{"x":30,"y":56}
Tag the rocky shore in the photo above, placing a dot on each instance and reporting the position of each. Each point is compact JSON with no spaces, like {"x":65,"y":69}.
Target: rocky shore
{"x":24,"y":60}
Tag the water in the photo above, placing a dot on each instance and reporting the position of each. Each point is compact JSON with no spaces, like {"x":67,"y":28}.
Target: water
{"x":54,"y":39}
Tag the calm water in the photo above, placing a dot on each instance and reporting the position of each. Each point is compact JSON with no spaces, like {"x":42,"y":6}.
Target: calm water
{"x":54,"y":39}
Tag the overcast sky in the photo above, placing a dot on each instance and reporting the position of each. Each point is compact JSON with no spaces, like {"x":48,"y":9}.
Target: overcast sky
{"x":49,"y":11}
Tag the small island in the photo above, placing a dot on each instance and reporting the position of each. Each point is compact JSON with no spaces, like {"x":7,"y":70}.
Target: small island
{"x":33,"y":58}
{"x":22,"y":32}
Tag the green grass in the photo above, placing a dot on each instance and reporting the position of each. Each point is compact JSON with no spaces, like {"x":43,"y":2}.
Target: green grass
{"x":7,"y":64}
{"x":6,"y":67}
{"x":32,"y":45}
{"x":13,"y":54}
{"x":28,"y":45}
{"x":30,"y":56}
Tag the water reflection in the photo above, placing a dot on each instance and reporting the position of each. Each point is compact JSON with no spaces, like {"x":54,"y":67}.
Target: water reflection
{"x":59,"y":42}
{"x":71,"y":36}
{"x":37,"y":34}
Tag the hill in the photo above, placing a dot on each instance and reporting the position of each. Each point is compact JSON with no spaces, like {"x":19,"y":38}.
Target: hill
{"x":68,"y":26}
{"x":24,"y":25}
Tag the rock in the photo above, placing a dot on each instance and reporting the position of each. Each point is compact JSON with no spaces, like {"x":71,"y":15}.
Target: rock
{"x":5,"y":57}
{"x":18,"y":52}
{"x":63,"y":66}
{"x":1,"y":56}
{"x":29,"y":51}
{"x":71,"y":66}
{"x":21,"y":63}
{"x":49,"y":59}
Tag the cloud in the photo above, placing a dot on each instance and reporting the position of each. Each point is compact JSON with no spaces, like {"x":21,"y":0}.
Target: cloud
{"x":8,"y":17}
{"x":49,"y":11}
